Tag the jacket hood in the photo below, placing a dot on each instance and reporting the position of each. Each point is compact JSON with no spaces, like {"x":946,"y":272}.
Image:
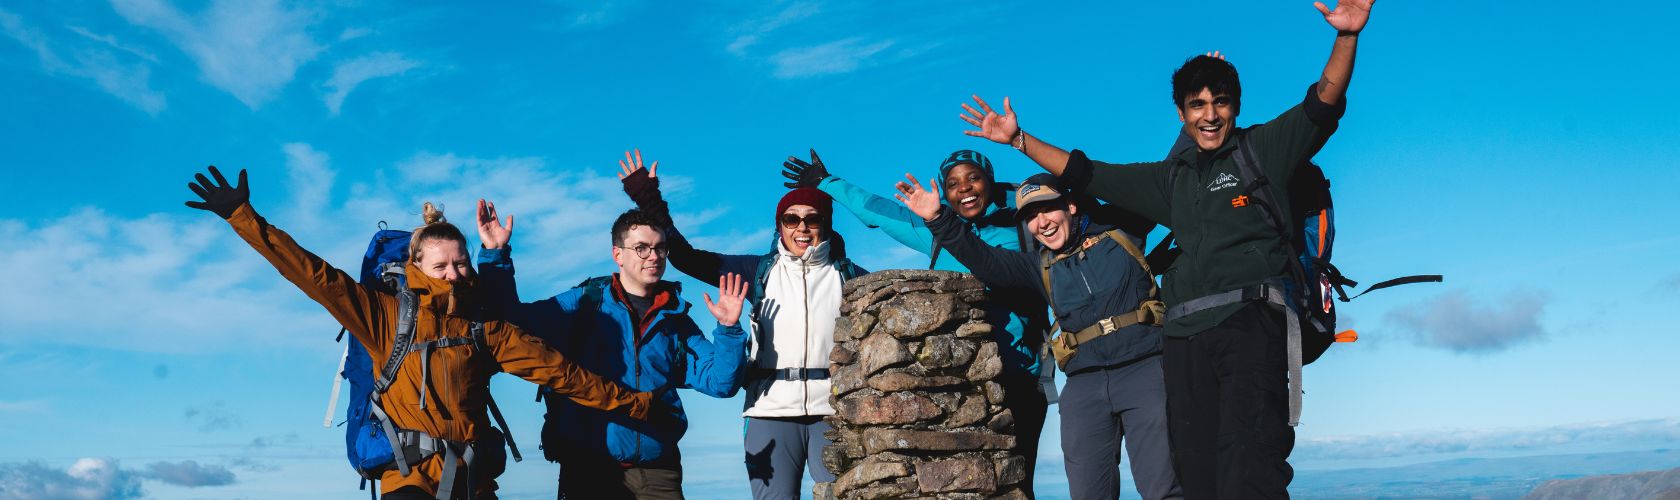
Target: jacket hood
{"x":818,"y":255}
{"x":835,"y":245}
{"x":439,"y":295}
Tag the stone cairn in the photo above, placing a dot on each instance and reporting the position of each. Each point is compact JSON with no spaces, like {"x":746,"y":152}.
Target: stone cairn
{"x":917,"y":413}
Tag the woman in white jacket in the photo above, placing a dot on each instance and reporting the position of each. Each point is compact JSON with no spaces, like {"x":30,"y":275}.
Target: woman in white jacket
{"x":795,"y":296}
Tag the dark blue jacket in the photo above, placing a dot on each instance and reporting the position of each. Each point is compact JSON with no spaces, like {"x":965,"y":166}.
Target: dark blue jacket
{"x":592,"y":326}
{"x":1105,"y":282}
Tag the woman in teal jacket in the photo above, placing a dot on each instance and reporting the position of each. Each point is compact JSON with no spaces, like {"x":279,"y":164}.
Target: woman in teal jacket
{"x":971,"y":191}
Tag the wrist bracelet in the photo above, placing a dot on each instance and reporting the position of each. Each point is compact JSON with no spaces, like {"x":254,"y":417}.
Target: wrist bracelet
{"x":1020,"y":140}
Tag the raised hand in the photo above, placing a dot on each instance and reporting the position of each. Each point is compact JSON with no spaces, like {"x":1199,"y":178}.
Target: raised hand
{"x":732,"y":291}
{"x":1000,"y":129}
{"x":219,"y":198}
{"x":1349,"y":16}
{"x":920,"y":200}
{"x":640,"y":184}
{"x":804,"y":174}
{"x":629,"y":166}
{"x":1216,"y":55}
{"x":491,"y":232}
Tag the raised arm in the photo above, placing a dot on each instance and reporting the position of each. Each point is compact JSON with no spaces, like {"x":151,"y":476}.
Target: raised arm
{"x":1349,"y":19}
{"x":1003,"y":129}
{"x":642,"y":186}
{"x":362,"y":312}
{"x":549,"y":318}
{"x":874,"y":211}
{"x":714,"y":366}
{"x":528,"y":358}
{"x":998,"y":268}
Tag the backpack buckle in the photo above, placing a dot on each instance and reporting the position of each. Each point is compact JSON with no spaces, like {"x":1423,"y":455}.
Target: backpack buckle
{"x":1107,"y":325}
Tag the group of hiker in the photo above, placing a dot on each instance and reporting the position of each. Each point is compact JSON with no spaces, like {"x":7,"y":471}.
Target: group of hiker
{"x":1199,"y":375}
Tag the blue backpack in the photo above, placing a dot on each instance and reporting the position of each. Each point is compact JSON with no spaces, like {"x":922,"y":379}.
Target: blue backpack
{"x":369,"y":432}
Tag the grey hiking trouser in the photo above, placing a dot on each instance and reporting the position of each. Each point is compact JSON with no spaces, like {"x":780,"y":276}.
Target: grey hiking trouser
{"x":780,"y":450}
{"x":1099,"y":407}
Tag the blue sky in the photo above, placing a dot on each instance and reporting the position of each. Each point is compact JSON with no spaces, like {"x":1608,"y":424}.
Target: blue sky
{"x":1527,"y":154}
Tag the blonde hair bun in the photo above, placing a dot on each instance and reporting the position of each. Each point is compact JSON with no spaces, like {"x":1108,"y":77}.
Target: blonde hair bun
{"x":431,"y":214}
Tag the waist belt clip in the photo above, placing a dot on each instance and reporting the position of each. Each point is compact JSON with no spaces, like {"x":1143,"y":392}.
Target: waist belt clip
{"x":1107,"y":325}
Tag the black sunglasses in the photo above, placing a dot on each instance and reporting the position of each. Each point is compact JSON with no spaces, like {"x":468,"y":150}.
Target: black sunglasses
{"x":791,"y":221}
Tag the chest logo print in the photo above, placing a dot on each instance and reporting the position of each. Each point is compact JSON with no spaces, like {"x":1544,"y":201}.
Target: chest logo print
{"x":1224,"y":181}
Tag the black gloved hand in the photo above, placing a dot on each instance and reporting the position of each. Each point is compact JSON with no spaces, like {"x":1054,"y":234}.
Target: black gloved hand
{"x":804,"y":174}
{"x":220,"y":198}
{"x":643,"y":189}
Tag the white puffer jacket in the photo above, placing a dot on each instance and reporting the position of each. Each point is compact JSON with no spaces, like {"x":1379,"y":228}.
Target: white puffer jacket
{"x":793,"y":327}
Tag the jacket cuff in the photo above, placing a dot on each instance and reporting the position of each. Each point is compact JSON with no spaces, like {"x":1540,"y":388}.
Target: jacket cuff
{"x":1076,"y":175}
{"x":1321,"y":114}
{"x":494,"y":256}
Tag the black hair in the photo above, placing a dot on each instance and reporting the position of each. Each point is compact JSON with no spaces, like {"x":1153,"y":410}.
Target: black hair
{"x":1212,"y":73}
{"x":632,"y":218}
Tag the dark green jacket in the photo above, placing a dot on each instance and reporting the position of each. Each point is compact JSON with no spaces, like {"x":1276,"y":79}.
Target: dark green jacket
{"x":1225,"y":247}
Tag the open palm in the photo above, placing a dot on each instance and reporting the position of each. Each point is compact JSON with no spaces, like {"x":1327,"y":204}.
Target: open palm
{"x":919,"y":199}
{"x":732,"y":292}
{"x":1000,"y":128}
{"x":1349,"y":15}
{"x":491,"y":233}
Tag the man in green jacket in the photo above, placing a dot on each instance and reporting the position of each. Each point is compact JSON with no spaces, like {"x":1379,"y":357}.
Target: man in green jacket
{"x":1227,"y":354}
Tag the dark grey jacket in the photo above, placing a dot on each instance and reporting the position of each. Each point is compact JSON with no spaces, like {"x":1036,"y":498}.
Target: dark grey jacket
{"x":1105,"y":282}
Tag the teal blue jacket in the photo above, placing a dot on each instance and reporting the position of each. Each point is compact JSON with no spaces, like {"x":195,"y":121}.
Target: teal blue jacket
{"x":1023,"y":325}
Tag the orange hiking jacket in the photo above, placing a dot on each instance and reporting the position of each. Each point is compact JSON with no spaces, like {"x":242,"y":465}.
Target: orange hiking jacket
{"x":458,"y":390}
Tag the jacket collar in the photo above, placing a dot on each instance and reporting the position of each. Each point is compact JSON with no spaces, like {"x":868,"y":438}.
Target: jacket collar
{"x":817,"y":255}
{"x":439,"y":295}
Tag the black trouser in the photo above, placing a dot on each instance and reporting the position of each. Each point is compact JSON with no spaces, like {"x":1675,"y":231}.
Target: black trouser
{"x":1227,"y":398}
{"x":1026,"y":403}
{"x":596,"y":477}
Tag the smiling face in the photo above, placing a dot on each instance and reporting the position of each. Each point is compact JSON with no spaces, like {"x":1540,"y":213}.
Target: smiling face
{"x":1208,"y":117}
{"x":806,"y":230}
{"x":444,"y":259}
{"x":968,"y":189}
{"x":1050,"y":222}
{"x":640,"y":272}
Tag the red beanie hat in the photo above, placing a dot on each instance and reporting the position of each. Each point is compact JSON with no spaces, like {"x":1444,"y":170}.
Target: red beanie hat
{"x":809,"y":196}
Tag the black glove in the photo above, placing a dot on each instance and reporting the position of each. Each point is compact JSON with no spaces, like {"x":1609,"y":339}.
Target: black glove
{"x":804,"y":174}
{"x":643,"y":189}
{"x":219,"y":198}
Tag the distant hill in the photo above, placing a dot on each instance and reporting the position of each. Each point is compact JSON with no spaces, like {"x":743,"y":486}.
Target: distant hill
{"x":1491,"y":478}
{"x":1653,"y":485}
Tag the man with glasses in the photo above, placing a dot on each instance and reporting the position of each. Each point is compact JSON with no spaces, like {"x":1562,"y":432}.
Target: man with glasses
{"x":630,"y":327}
{"x":795,"y":296}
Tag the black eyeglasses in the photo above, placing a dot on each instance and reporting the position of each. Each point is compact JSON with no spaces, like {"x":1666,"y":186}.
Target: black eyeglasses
{"x":642,"y":250}
{"x":791,"y":221}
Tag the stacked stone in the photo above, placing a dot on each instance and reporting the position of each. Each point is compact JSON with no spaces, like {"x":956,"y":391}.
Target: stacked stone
{"x":917,"y":412}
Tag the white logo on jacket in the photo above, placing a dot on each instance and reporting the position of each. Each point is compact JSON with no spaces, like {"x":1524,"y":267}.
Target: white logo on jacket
{"x":1224,"y":181}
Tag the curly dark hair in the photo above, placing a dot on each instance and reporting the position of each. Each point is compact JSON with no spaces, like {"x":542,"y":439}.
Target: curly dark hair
{"x":636,"y":217}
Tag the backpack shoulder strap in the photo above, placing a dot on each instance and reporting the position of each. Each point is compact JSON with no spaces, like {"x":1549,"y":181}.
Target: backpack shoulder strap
{"x":482,"y":345}
{"x":408,"y":308}
{"x":1136,"y":253}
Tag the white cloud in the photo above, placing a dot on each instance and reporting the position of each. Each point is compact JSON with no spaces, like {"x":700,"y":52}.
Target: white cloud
{"x":88,"y":478}
{"x":310,"y":181}
{"x":839,"y":56}
{"x":91,"y":57}
{"x":250,"y":49}
{"x":351,"y":73}
{"x":212,"y":417}
{"x":1455,"y":321}
{"x":31,"y":407}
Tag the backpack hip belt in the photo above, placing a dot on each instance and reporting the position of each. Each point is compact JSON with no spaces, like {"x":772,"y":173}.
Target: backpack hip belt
{"x":1065,"y":345}
{"x":411,"y":447}
{"x":1272,"y":293}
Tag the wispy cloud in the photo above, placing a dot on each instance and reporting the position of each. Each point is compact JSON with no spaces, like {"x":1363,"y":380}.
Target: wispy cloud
{"x":188,"y":473}
{"x":88,"y":478}
{"x":31,"y":407}
{"x":839,"y":56}
{"x":1455,"y":321}
{"x":102,"y":59}
{"x":353,"y":72}
{"x":751,"y":31}
{"x":211,"y":417}
{"x":1652,"y":433}
{"x":250,"y":49}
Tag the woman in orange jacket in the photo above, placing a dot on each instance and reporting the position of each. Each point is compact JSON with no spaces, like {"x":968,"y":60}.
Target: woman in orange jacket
{"x":437,"y":407}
